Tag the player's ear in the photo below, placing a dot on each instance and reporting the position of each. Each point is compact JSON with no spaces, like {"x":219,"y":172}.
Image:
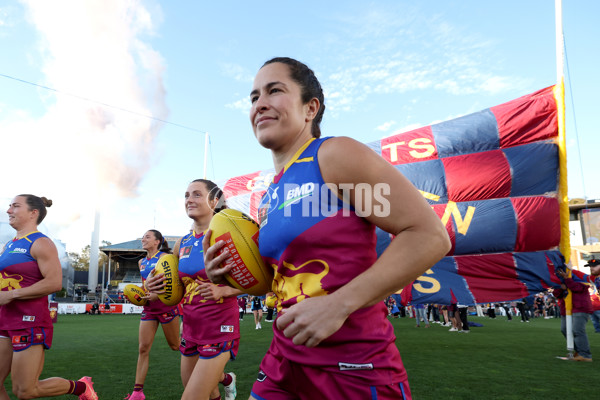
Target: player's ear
{"x":312,"y":108}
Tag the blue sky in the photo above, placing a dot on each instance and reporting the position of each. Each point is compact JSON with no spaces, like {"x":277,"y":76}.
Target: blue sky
{"x":386,"y":67}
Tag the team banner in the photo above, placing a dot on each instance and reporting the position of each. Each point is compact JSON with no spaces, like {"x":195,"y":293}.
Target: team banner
{"x":493,"y":179}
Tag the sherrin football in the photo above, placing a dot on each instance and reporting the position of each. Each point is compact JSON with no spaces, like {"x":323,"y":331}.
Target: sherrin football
{"x":173,"y":291}
{"x":135,"y":294}
{"x":240,"y":234}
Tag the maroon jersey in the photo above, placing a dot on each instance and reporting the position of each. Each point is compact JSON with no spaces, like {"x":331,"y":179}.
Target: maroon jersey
{"x":18,"y":269}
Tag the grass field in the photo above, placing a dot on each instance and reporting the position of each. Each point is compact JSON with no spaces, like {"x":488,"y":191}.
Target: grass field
{"x":501,"y":360}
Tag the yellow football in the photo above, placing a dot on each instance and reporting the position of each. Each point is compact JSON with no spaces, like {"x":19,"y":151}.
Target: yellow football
{"x":135,"y":294}
{"x":240,"y":234}
{"x":271,"y":301}
{"x":173,"y":291}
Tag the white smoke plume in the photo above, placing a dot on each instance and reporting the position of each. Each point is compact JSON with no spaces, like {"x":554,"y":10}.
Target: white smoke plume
{"x":82,"y":153}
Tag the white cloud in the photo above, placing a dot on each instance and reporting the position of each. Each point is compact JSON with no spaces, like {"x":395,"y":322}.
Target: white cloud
{"x":387,"y":57}
{"x":242,"y":105}
{"x":237,"y":72}
{"x":386,"y":126}
{"x":103,"y":152}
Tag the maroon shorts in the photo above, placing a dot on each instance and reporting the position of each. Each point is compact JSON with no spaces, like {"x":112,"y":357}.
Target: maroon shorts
{"x":281,"y":379}
{"x":24,"y":338}
{"x":163,"y":318}
{"x":189,"y":348}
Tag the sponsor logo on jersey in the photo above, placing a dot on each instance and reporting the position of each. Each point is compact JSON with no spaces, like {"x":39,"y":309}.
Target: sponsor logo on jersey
{"x":19,"y":250}
{"x":185,"y":252}
{"x":28,"y":318}
{"x":295,"y":194}
{"x":226,"y":328}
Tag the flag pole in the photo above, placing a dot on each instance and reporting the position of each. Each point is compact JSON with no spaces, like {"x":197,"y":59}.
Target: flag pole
{"x":563,"y":200}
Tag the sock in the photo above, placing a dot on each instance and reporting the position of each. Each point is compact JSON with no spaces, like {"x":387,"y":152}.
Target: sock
{"x":227,"y":380}
{"x":217,"y":398}
{"x":77,"y":388}
{"x":138,"y":387}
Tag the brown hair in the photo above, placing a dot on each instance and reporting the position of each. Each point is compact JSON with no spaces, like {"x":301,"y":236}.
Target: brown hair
{"x":214,"y":192}
{"x":37,"y":203}
{"x":311,"y":88}
{"x":164,"y":245}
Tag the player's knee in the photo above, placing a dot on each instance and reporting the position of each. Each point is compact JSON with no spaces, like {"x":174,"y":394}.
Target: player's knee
{"x":145,"y":348}
{"x":24,"y":393}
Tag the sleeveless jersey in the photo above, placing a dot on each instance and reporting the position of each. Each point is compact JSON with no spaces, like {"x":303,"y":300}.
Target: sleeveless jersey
{"x":18,"y":269}
{"x":146,"y":267}
{"x":316,"y":244}
{"x":204,"y":321}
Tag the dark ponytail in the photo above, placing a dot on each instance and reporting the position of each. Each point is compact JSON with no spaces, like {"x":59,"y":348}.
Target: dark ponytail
{"x":163,"y":245}
{"x":214,"y":192}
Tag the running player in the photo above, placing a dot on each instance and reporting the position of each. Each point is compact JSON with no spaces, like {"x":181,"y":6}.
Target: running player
{"x":29,"y":271}
{"x":211,"y":327}
{"x":155,"y":313}
{"x":331,"y":337}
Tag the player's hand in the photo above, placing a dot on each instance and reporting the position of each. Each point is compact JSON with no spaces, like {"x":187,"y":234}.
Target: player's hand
{"x":312,"y":320}
{"x":209,"y":290}
{"x":562,"y":273}
{"x":6,"y":297}
{"x":213,"y":261}
{"x":155,"y":283}
{"x":150,"y":296}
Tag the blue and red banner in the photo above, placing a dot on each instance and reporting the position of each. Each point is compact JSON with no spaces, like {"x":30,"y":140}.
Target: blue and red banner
{"x":493,"y":179}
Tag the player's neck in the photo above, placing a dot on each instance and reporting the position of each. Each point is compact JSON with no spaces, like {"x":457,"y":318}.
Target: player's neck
{"x":151,"y":253}
{"x":26,"y":230}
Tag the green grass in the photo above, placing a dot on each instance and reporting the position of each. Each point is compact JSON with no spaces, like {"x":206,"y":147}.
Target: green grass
{"x":501,"y":360}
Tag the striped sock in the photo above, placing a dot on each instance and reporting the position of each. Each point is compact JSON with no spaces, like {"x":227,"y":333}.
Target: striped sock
{"x":76,"y":387}
{"x":138,"y":387}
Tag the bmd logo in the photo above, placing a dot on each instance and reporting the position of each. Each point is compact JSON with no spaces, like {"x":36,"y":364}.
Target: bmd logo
{"x":299,"y":192}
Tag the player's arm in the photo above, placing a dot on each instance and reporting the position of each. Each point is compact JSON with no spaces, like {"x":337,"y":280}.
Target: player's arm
{"x":393,"y":204}
{"x":211,"y":291}
{"x":44,"y":252}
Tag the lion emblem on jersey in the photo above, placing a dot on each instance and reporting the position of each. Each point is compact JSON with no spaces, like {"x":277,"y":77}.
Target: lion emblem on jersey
{"x":10,"y":281}
{"x":296,"y":285}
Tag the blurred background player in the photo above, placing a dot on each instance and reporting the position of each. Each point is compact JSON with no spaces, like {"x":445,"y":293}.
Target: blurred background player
{"x":155,"y":312}
{"x":29,"y":271}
